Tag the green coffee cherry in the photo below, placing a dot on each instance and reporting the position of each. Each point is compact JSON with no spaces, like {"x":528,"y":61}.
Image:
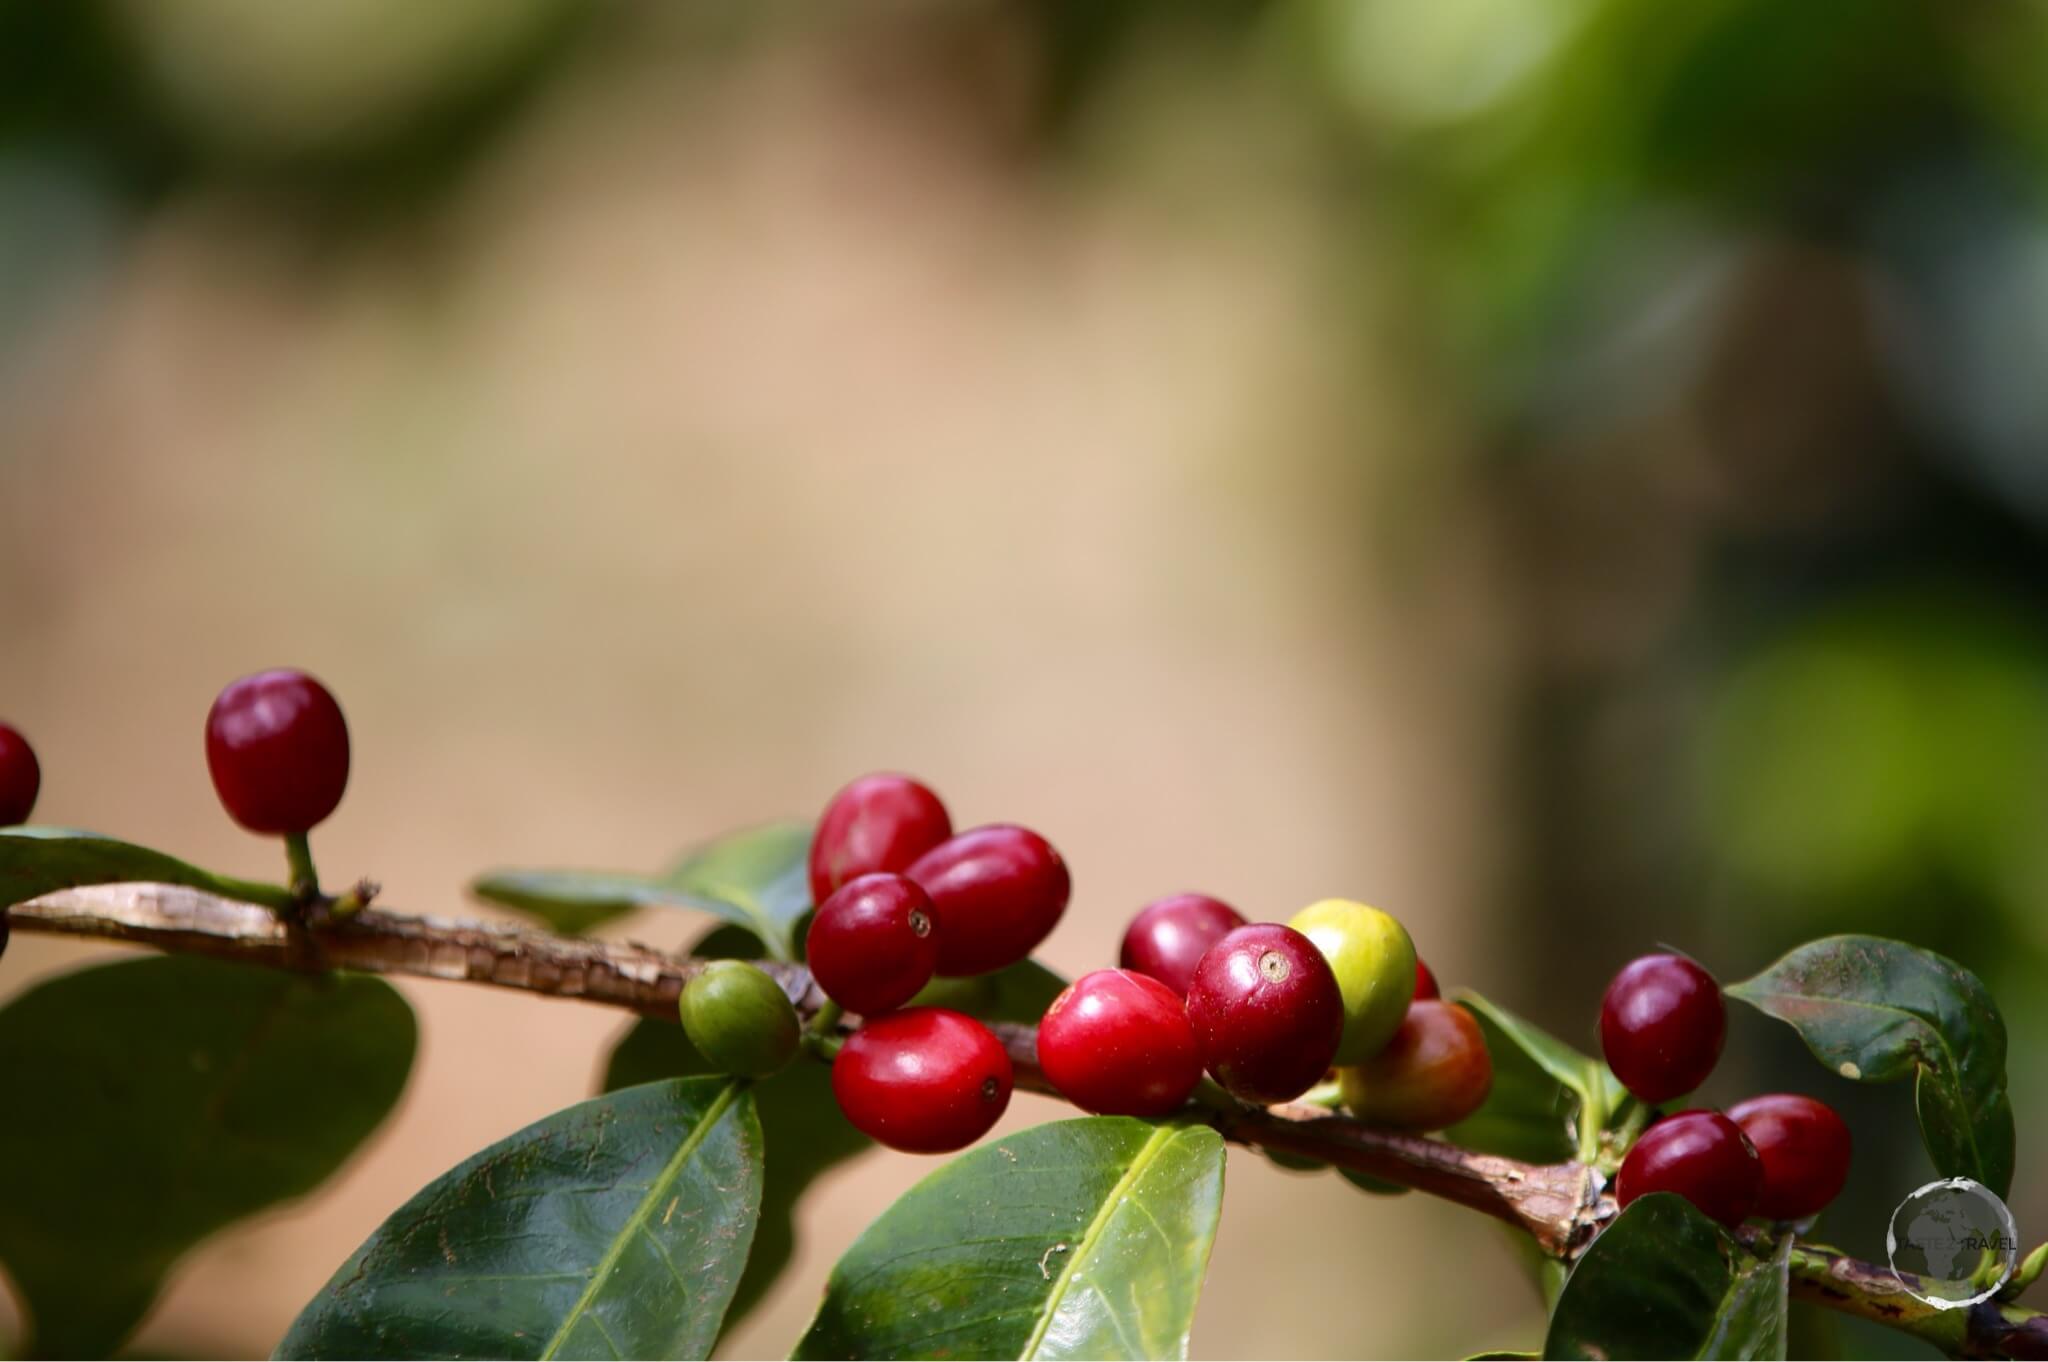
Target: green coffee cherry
{"x":1374,"y":962}
{"x":739,"y":1019}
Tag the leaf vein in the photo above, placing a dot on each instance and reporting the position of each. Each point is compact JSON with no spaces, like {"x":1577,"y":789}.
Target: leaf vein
{"x":642,"y":1213}
{"x":1160,"y":1137}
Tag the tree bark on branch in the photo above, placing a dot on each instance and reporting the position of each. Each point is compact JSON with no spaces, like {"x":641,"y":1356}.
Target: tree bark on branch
{"x":1560,"y":1205}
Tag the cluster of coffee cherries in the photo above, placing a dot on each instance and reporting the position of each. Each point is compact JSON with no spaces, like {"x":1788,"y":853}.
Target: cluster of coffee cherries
{"x":1269,"y":1010}
{"x":901,"y":899}
{"x":1782,"y":1156}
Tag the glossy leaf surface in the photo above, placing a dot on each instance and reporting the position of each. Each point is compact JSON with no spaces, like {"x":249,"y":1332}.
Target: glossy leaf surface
{"x":1543,"y":1091}
{"x":1079,"y":1239}
{"x":801,"y":1127}
{"x":1877,"y":1011}
{"x":1664,"y":1281}
{"x":615,"y":1228}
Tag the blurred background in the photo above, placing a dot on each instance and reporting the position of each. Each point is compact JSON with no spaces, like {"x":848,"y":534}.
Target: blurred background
{"x":1571,"y":472}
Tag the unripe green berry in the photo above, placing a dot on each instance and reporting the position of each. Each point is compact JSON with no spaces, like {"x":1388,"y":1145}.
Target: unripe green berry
{"x":739,"y":1019}
{"x":1374,"y":961}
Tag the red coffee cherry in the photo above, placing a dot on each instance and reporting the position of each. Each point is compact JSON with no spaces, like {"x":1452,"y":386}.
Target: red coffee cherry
{"x":277,"y":747}
{"x":871,"y":945}
{"x":878,"y":823}
{"x":925,"y":1080}
{"x":1701,"y":1155}
{"x":1169,"y":937}
{"x":1118,"y":1043}
{"x":996,"y":893}
{"x":20,"y":777}
{"x":1661,"y":1026}
{"x":1267,"y":1012}
{"x":1425,"y":982}
{"x":1434,"y":1072}
{"x":1804,"y":1147}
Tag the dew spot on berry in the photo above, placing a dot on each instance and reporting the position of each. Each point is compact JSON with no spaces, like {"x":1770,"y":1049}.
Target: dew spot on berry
{"x":1274,"y":967}
{"x":990,"y":1089}
{"x":920,"y":925}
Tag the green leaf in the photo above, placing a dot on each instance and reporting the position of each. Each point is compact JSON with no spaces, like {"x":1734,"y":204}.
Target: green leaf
{"x":1019,"y":993}
{"x":1082,"y":1238}
{"x":800,"y":1122}
{"x":153,"y":1101}
{"x":757,"y":879}
{"x":1542,"y":1091}
{"x":1665,"y":1281}
{"x":1877,"y":1011}
{"x":35,"y":861}
{"x":1753,"y":1318}
{"x":576,"y":901}
{"x":614,"y":1228}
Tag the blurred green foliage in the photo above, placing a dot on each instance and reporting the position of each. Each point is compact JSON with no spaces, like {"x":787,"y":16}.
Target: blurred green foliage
{"x":1882,"y":744}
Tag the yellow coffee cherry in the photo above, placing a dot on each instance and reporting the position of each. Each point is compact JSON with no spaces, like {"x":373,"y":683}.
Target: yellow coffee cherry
{"x":1374,"y":961}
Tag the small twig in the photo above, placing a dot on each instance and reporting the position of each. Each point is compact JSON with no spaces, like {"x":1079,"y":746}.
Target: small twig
{"x":193,"y":922}
{"x":1842,"y":1283}
{"x":1560,"y":1205}
{"x":355,"y":898}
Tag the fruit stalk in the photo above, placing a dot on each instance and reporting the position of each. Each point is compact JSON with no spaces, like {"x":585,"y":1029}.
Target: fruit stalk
{"x":1559,"y":1205}
{"x":304,"y":879}
{"x":821,"y":1032}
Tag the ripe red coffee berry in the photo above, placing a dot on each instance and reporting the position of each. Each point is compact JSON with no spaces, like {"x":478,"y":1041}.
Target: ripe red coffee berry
{"x":1434,"y":1072}
{"x":1169,"y":937}
{"x":21,"y":777}
{"x":277,"y":747}
{"x":925,"y":1080}
{"x":1425,"y":982}
{"x":871,"y":945}
{"x":1118,"y":1043}
{"x":878,"y":823}
{"x":1804,"y":1147}
{"x":1661,"y":1026}
{"x":1701,"y":1155}
{"x":996,"y":893}
{"x":1266,"y":1011}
